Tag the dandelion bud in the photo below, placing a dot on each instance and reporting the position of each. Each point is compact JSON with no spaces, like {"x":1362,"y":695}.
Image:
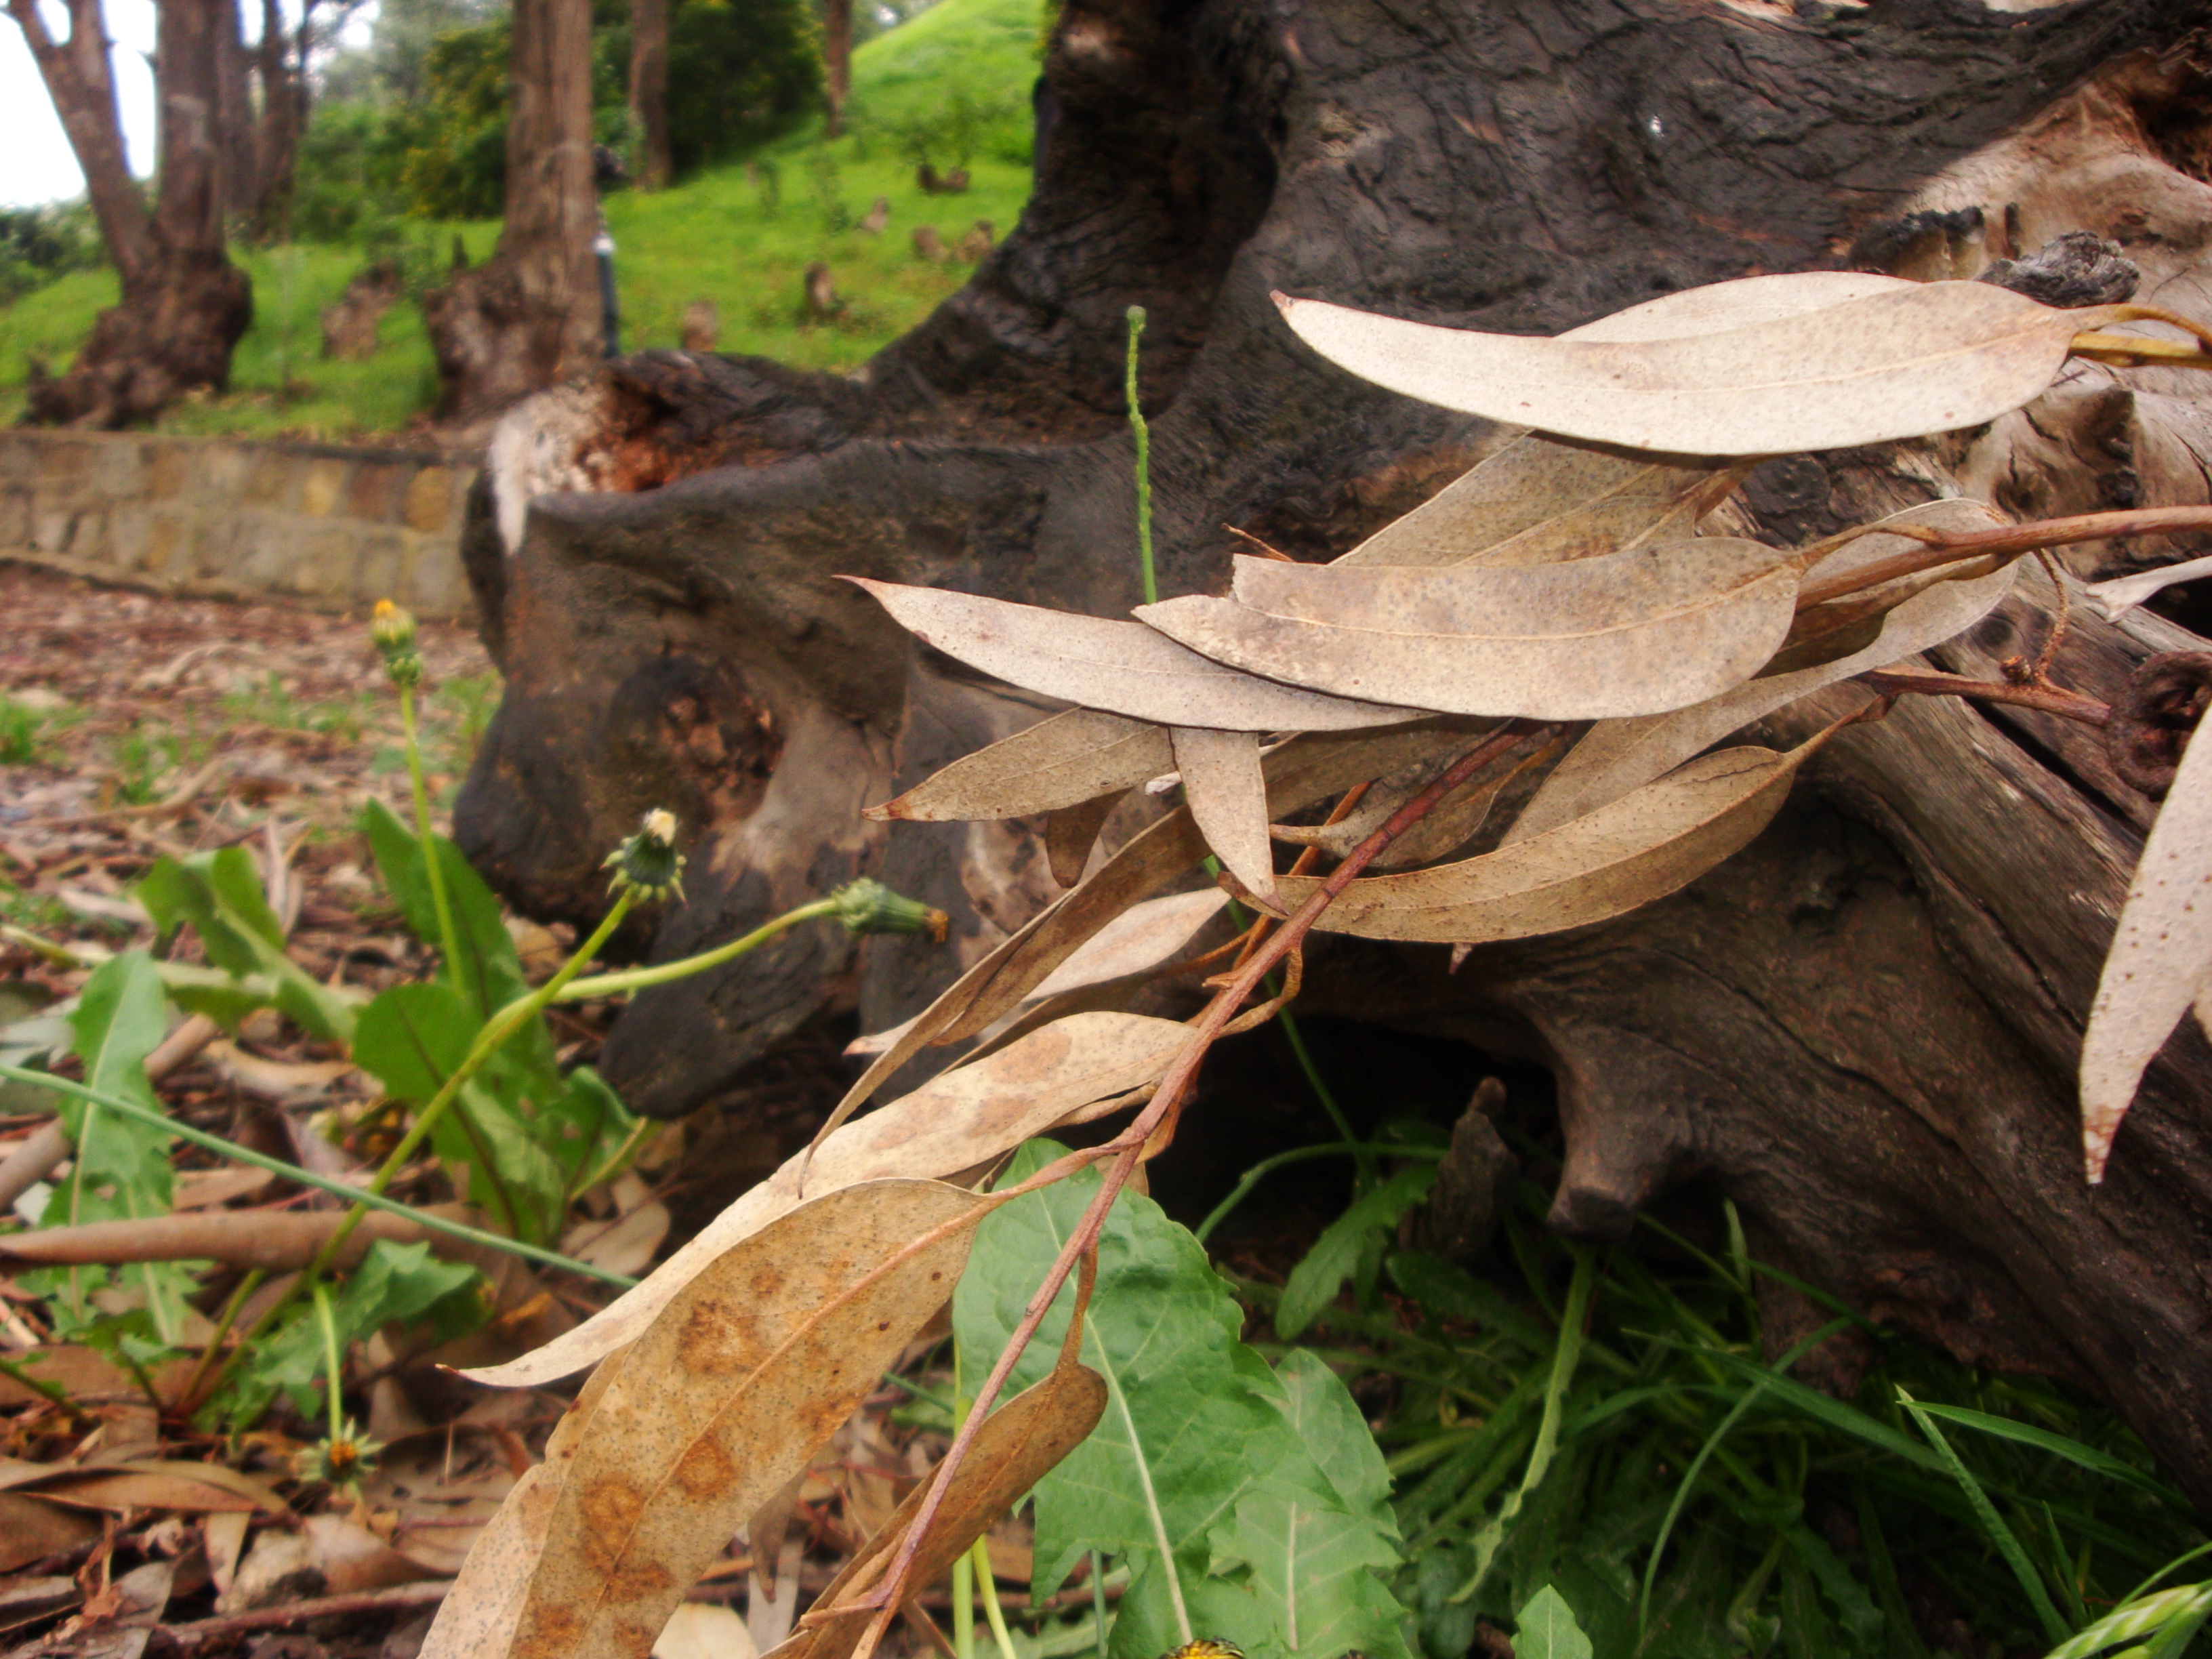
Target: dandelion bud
{"x":392,"y":631}
{"x":648,"y":865}
{"x":869,"y":907}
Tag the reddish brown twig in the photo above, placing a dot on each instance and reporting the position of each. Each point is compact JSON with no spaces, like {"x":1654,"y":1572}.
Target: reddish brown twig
{"x":2004,"y":542}
{"x":1124,"y":1148}
{"x":2051,"y":699}
{"x":398,"y":1598}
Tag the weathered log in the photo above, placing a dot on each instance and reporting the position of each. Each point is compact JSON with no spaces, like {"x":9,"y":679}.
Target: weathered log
{"x":1864,"y":1028}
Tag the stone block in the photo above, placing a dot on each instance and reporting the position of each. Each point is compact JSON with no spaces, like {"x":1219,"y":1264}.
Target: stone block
{"x":430,"y":496}
{"x":20,"y":455}
{"x":271,"y":480}
{"x":129,"y":536}
{"x":53,"y":529}
{"x":436,"y":585}
{"x":217,"y":470}
{"x":171,"y":469}
{"x":323,"y":485}
{"x":167,"y":527}
{"x":15,"y":506}
{"x":377,"y":492}
{"x":119,"y":469}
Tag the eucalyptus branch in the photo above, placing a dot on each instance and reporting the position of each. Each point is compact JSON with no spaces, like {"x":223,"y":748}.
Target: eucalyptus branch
{"x":2051,"y":699}
{"x":2007,"y":541}
{"x":1125,"y":1150}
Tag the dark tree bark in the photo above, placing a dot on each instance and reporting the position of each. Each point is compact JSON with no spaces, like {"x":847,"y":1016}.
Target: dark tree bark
{"x":837,"y":59}
{"x":280,"y":61}
{"x":239,"y":142}
{"x":184,"y":304}
{"x":531,"y":312}
{"x":648,"y":91}
{"x":1865,"y":1027}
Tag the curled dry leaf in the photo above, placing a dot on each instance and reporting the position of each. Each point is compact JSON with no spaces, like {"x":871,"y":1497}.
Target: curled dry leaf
{"x":1141,"y":936}
{"x":2157,"y":967}
{"x":1227,"y":795}
{"x":1121,"y":667}
{"x":2114,"y":599}
{"x":953,"y":1122}
{"x":1069,"y":759}
{"x":1896,"y":363}
{"x":750,"y":1367}
{"x":1619,"y":756}
{"x":1018,"y":1444}
{"x":1070,"y":833}
{"x":1640,"y":847}
{"x":1627,"y":634}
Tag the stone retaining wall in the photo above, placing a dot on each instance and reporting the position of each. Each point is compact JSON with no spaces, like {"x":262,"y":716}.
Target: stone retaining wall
{"x":333,"y":526}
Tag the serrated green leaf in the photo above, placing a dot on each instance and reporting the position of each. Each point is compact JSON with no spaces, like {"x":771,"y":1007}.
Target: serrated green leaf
{"x":489,"y":971}
{"x":1315,"y":1280}
{"x":1310,"y":1546}
{"x":413,"y":1038}
{"x":120,"y":1168}
{"x":220,"y":894}
{"x":1200,"y":1456}
{"x":393,"y":1282}
{"x":1548,"y":1631}
{"x":585,"y":1123}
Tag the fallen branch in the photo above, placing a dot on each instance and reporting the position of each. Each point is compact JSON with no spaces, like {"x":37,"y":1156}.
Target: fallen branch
{"x":269,"y":1240}
{"x":398,"y":1598}
{"x":2051,"y":699}
{"x":1157,"y":1121}
{"x":2007,"y":541}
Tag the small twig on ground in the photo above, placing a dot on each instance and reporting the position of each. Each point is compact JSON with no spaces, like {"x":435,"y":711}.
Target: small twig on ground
{"x":397,"y":1598}
{"x":1941,"y":548}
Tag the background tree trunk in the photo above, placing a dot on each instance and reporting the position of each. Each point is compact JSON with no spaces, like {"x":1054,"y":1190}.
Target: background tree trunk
{"x":1864,"y":1028}
{"x":530,"y":313}
{"x":241,"y":191}
{"x":184,"y":304}
{"x":648,"y":90}
{"x":837,"y":59}
{"x":280,"y":61}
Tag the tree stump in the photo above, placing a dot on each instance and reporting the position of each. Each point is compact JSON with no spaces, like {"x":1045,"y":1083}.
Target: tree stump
{"x":1865,"y":1027}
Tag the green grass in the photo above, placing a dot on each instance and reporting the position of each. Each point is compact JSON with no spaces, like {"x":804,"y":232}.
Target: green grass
{"x":725,"y":235}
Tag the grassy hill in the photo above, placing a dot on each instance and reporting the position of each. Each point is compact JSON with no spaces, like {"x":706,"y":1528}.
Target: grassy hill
{"x":740,"y":236}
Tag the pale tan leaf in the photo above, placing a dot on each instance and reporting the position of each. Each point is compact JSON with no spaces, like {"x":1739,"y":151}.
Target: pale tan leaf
{"x":624,"y":1245}
{"x":476,"y":1619}
{"x":1628,"y":634}
{"x":1738,"y":304}
{"x":1018,"y":1445}
{"x":1928,"y":357}
{"x":704,"y":1629}
{"x":750,"y":1366}
{"x":1070,"y":758}
{"x":955,"y":1122}
{"x":2114,"y":599}
{"x":2160,"y":961}
{"x":1227,"y":795}
{"x":1542,"y":499}
{"x":1617,"y":756}
{"x":1640,"y":847}
{"x":1121,"y":667}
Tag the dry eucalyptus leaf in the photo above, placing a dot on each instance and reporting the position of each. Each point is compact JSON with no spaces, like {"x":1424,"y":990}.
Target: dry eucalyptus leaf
{"x":750,"y":1366}
{"x":2160,"y":961}
{"x":1898,"y":363}
{"x":1069,"y":759}
{"x":1738,"y":304}
{"x":476,"y":1619}
{"x":1640,"y":847}
{"x":1619,"y":756}
{"x":1227,"y":795}
{"x":953,"y":1122}
{"x":2114,"y":599}
{"x":1121,"y":667}
{"x":1629,"y":634}
{"x":704,"y":1629}
{"x":1299,"y":772}
{"x":1018,"y":1445}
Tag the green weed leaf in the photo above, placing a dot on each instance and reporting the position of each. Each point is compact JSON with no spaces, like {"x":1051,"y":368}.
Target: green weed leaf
{"x":1548,"y":1631}
{"x":1335,"y":1257}
{"x":1198,"y":1460}
{"x":489,"y":973}
{"x":220,"y":894}
{"x":393,"y":1282}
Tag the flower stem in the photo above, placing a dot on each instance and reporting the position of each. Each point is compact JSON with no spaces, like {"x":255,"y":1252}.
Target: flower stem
{"x":1143,"y":434}
{"x":448,"y":939}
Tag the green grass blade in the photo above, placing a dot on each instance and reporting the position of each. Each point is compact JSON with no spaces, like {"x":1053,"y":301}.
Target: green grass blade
{"x":2059,"y":1445}
{"x":2000,"y":1535}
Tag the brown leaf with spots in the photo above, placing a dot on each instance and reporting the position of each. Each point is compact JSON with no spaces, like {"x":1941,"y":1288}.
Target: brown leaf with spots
{"x":1227,"y":795}
{"x":1018,"y":1445}
{"x":749,"y":1368}
{"x":955,"y":1122}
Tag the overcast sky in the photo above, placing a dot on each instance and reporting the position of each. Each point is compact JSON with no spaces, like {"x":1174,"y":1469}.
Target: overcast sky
{"x":35,"y":163}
